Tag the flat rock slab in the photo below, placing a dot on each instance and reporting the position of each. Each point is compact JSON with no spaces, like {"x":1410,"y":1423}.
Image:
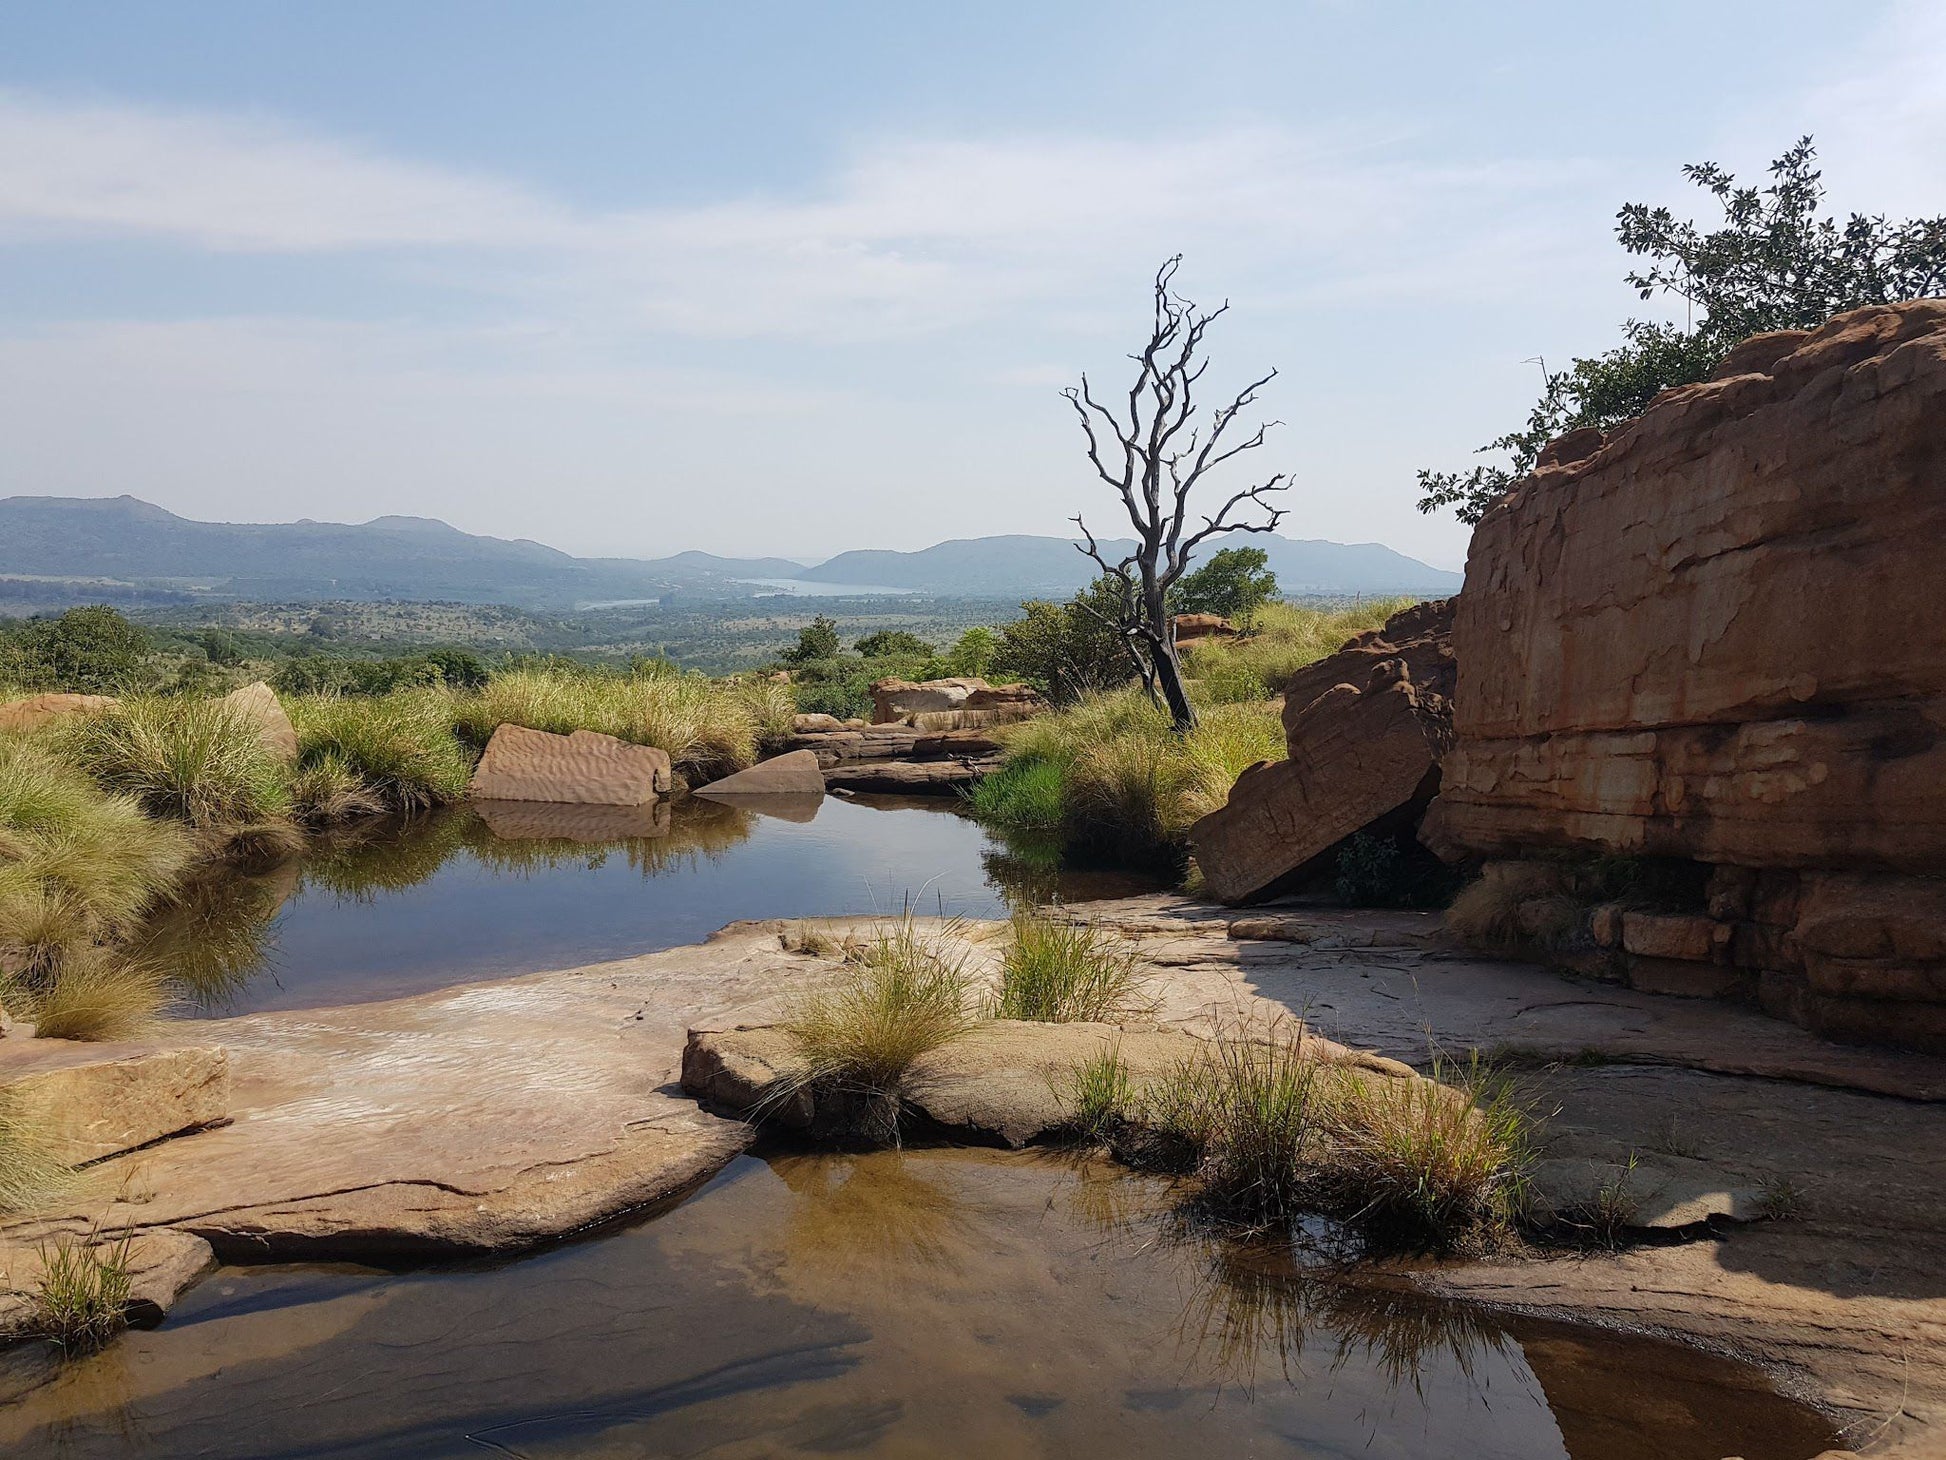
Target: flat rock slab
{"x":794,"y":773}
{"x":1010,"y":1082}
{"x":1666,"y":1193}
{"x":87,"y":1102}
{"x":584,"y":768}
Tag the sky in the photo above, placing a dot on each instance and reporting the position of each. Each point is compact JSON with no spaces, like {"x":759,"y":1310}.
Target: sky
{"x":791,"y":278}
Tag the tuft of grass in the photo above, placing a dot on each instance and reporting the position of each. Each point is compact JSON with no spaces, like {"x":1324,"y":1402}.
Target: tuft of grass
{"x":902,"y":995}
{"x":29,"y":1175}
{"x":1063,"y":972}
{"x":1102,"y":1094}
{"x":1514,"y":905}
{"x":82,"y":1302}
{"x":1263,"y":1139}
{"x":708,"y":727}
{"x":189,"y":759}
{"x":1027,"y":795}
{"x":1780,"y":1200}
{"x":1439,"y":1162}
{"x":397,"y":750}
{"x":93,"y":993}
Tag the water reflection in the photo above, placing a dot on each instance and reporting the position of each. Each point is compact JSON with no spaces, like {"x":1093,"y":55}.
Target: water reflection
{"x":919,"y":1303}
{"x":391,"y":907}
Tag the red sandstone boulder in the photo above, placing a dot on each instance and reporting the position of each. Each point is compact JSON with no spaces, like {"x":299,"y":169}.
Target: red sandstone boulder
{"x":1366,"y":729}
{"x":972,"y":703}
{"x":36,"y":710}
{"x":794,"y":773}
{"x":1676,"y":642}
{"x":1193,"y":626}
{"x":585,"y":768}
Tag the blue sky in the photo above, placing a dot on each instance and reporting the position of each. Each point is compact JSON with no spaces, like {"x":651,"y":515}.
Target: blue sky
{"x":790,"y":278}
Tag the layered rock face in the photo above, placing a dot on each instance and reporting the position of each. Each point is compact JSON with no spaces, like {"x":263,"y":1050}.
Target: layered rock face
{"x":1715,"y":635}
{"x":1366,"y":729}
{"x":952,"y":704}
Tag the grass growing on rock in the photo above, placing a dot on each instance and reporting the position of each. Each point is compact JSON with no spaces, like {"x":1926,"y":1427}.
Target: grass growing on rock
{"x":29,"y":1175}
{"x":82,"y":1301}
{"x":1065,"y":972}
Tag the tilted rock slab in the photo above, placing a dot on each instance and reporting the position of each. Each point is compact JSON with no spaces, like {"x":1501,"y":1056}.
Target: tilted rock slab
{"x":584,"y":768}
{"x":1367,"y":728}
{"x":1713,"y":633}
{"x":795,"y":773}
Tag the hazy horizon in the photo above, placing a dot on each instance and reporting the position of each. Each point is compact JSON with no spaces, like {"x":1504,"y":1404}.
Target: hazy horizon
{"x":784,"y":282}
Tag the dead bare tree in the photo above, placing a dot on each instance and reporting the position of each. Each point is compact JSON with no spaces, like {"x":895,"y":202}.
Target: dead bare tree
{"x":1157,"y":458}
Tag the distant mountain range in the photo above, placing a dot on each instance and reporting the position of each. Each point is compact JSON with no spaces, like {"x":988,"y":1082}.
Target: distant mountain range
{"x":134,"y":547}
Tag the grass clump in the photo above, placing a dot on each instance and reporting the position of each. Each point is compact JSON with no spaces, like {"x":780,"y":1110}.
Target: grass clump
{"x":395,"y":752}
{"x":82,"y":1301}
{"x":189,"y":759}
{"x":1102,"y":1093}
{"x":708,"y":727}
{"x":28,"y":1173}
{"x":1063,"y":972}
{"x":902,"y":995}
{"x":93,"y":993}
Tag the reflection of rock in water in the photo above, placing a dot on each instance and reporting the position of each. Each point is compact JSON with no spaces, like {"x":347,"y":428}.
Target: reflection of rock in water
{"x":686,"y":830}
{"x":866,"y":1217}
{"x":1697,"y":1404}
{"x":564,"y":821}
{"x":798,"y":806}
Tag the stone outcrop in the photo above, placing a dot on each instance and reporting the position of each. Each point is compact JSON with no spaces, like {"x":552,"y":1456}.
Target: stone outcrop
{"x":1190,"y":627}
{"x":584,"y":768}
{"x":36,"y":710}
{"x":901,"y":757}
{"x":259,"y":703}
{"x":84,"y":1103}
{"x":973,"y":703}
{"x":1709,"y":635}
{"x":794,"y":773}
{"x":1366,"y":729}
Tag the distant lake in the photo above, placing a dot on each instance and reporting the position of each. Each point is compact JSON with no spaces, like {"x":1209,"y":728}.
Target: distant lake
{"x":806,"y":588}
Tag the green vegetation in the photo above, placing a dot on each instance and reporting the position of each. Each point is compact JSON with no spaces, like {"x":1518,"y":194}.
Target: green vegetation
{"x":82,"y":1301}
{"x":1066,"y":650}
{"x":1233,"y":582}
{"x":397,"y":752}
{"x":28,"y":1173}
{"x":186,"y":758}
{"x":1270,"y":1133}
{"x":1286,"y":638}
{"x":1065,"y":972}
{"x":900,"y":996}
{"x":1774,"y":263}
{"x":91,"y":650}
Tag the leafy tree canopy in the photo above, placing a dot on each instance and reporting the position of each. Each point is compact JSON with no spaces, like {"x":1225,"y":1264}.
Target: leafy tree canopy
{"x":1068,"y":649}
{"x":816,"y":640}
{"x":1235,"y":582}
{"x":89,"y":650}
{"x":1775,"y":261}
{"x":888,"y":642}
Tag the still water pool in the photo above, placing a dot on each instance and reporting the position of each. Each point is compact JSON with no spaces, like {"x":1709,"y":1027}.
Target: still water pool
{"x":930,"y":1303}
{"x":389,"y":910}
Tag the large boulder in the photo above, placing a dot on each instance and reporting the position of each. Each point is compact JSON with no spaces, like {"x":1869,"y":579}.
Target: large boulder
{"x":1191,"y":627}
{"x":794,"y":773}
{"x":1366,"y":730}
{"x":585,"y":768}
{"x":1679,"y":639}
{"x":259,"y":704}
{"x":37,"y":710}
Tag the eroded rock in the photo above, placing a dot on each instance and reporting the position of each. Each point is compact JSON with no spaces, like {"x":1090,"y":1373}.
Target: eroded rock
{"x":259,"y":704}
{"x":37,"y":710}
{"x":86,"y":1102}
{"x":795,"y":773}
{"x":585,"y":768}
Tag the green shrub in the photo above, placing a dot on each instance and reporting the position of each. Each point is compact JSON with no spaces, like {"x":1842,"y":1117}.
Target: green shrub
{"x":1101,"y":1093}
{"x":195,"y":760}
{"x":1063,"y":972}
{"x":90,"y":650}
{"x":399,"y":749}
{"x":1026,"y":795}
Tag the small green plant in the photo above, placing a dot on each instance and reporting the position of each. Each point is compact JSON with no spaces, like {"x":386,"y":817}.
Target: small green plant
{"x":82,"y":1301}
{"x":1065,"y":972}
{"x":1024,"y":796}
{"x":1264,"y":1140}
{"x":1101,"y":1092}
{"x":1779,"y":1199}
{"x":1615,"y":1206}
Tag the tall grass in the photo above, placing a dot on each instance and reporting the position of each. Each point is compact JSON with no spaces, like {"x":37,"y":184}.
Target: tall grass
{"x":93,"y":993}
{"x":1110,"y":772}
{"x":199,"y":761}
{"x":28,"y":1173}
{"x":1286,"y":637}
{"x":397,"y":751}
{"x":1063,"y":972}
{"x":708,"y":727}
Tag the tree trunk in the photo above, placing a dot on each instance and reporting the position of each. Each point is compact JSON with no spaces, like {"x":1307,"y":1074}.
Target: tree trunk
{"x":1168,"y":673}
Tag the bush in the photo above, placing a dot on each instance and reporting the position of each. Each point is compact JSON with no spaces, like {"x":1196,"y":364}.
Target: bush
{"x":1235,"y":582}
{"x":1390,"y":871}
{"x":1066,"y":650}
{"x":87,"y":650}
{"x":1063,"y":972}
{"x":195,"y":760}
{"x":397,"y":751}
